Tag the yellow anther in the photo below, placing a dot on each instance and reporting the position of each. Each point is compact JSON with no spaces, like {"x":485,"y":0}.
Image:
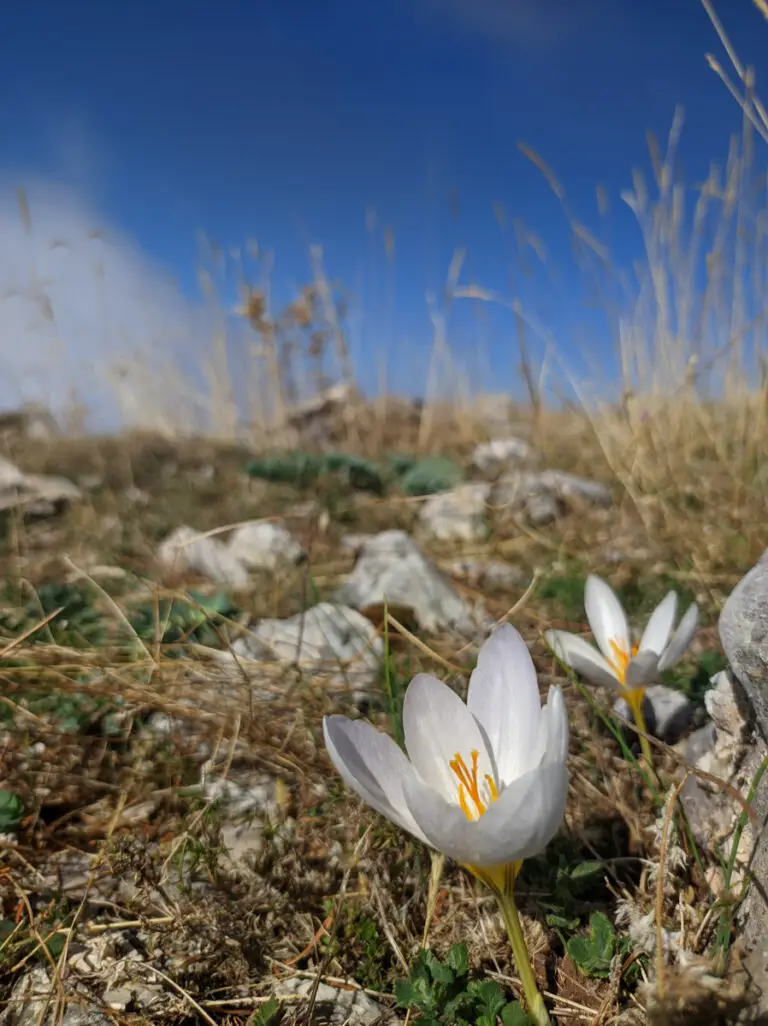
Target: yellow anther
{"x":621,"y":658}
{"x":469,"y":785}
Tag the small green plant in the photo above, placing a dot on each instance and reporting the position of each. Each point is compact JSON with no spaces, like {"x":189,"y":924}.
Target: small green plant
{"x":564,"y":876}
{"x":566,"y":594}
{"x":695,"y":684}
{"x":395,"y":685}
{"x":442,"y":992}
{"x":434,"y":474}
{"x":269,"y":1014}
{"x":300,"y":469}
{"x":79,"y":623}
{"x":358,"y":937}
{"x":593,"y":954}
{"x":195,"y":620}
{"x":11,"y":811}
{"x":641,"y":594}
{"x":355,"y":472}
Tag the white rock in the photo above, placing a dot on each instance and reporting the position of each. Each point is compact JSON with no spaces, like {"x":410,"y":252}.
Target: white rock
{"x":117,"y":998}
{"x":265,"y":545}
{"x":458,"y":515}
{"x":494,"y":573}
{"x":329,"y":640}
{"x":354,"y":1007}
{"x":184,"y":549}
{"x":243,"y":793}
{"x":35,"y":494}
{"x":31,"y":997}
{"x":352,"y":543}
{"x":725,"y":707}
{"x":392,"y":568}
{"x":10,"y":475}
{"x":668,"y":713}
{"x":514,"y":489}
{"x":500,"y":454}
{"x":542,"y":509}
{"x":242,"y":840}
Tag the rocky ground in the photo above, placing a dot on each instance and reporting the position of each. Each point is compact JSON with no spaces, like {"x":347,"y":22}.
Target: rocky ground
{"x":177,"y":617}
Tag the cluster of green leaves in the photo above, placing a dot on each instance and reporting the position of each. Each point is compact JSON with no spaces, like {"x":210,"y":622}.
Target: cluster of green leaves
{"x":359,"y":939}
{"x":594,"y":952}
{"x":642,"y":593}
{"x":11,"y":810}
{"x":443,"y":992}
{"x":414,"y":477}
{"x":566,"y":594}
{"x":695,"y":684}
{"x":19,"y":941}
{"x":78,"y":625}
{"x":81,"y":624}
{"x":567,"y":880}
{"x":179,"y":620}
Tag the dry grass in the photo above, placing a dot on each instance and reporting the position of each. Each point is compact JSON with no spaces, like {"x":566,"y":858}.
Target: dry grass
{"x":120,"y":852}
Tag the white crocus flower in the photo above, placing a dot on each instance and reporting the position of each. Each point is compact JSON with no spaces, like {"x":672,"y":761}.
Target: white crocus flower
{"x":619,"y":664}
{"x":484,"y":783}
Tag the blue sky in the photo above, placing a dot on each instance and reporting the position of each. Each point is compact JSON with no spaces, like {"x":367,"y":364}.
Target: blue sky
{"x":286,"y":122}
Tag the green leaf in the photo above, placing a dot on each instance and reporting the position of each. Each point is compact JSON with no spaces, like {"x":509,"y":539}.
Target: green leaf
{"x":458,"y":959}
{"x":586,"y":870}
{"x":400,"y":462}
{"x":601,"y":931}
{"x":414,"y":993}
{"x":514,"y":1014}
{"x":440,"y":973}
{"x":11,"y":810}
{"x":561,"y":922}
{"x":296,"y":468}
{"x":357,"y":472}
{"x":434,"y":474}
{"x":268,"y":1015}
{"x":489,"y":995}
{"x":406,"y":995}
{"x":55,"y":944}
{"x":593,"y":954}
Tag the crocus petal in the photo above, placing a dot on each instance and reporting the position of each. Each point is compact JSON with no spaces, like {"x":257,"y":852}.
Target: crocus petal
{"x":556,"y":716}
{"x":504,"y":698}
{"x":519,"y":824}
{"x":682,"y":638}
{"x":656,"y":634}
{"x":642,"y":670}
{"x":582,"y":657}
{"x":606,"y":616}
{"x":438,"y":726}
{"x":371,"y":764}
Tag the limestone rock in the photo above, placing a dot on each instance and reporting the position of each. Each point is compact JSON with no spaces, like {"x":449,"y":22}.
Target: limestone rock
{"x":392,"y":568}
{"x":458,"y":515}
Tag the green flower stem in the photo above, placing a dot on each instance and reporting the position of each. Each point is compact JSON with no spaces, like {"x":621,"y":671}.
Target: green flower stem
{"x":635,"y":700}
{"x":536,"y":1007}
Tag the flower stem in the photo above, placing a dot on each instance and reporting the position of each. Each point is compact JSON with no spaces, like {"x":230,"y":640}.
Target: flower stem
{"x":636,"y":705}
{"x":536,"y":1007}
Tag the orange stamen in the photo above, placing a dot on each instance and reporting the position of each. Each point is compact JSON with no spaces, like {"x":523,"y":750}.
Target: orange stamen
{"x":621,"y":658}
{"x":469,"y":785}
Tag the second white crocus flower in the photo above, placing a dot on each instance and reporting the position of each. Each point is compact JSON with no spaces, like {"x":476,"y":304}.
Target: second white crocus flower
{"x":620,"y":664}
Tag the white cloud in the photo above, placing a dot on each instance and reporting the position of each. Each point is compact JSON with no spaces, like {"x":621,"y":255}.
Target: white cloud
{"x":77,"y":303}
